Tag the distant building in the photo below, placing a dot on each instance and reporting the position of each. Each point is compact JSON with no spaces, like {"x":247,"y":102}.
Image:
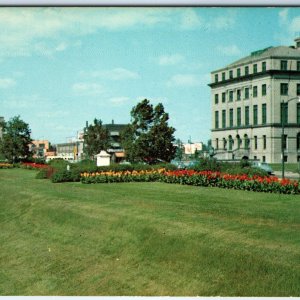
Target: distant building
{"x":191,"y":148}
{"x":73,"y":150}
{"x":250,"y":99}
{"x":41,"y":149}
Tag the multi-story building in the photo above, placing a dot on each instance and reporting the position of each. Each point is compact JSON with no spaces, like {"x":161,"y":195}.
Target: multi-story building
{"x":250,"y":99}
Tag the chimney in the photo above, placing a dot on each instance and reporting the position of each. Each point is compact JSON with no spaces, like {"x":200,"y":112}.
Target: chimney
{"x":112,"y":122}
{"x":297,"y":41}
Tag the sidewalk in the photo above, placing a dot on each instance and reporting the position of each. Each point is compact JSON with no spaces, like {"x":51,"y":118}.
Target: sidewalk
{"x":287,"y":174}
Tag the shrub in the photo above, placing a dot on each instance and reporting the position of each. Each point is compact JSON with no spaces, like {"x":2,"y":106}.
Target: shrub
{"x":41,"y":174}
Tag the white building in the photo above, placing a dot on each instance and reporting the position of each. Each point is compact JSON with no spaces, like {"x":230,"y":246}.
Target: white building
{"x":249,"y":99}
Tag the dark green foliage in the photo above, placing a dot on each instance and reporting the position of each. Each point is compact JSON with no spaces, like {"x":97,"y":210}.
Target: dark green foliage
{"x":207,"y":164}
{"x":42,"y":174}
{"x":14,"y":144}
{"x":148,"y":137}
{"x":96,"y":138}
{"x":59,"y":163}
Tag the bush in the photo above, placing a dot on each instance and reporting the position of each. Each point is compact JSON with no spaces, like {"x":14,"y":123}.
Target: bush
{"x":41,"y":174}
{"x":207,"y":164}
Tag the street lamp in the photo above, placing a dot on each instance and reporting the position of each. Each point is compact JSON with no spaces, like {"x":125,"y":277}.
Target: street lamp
{"x":282,"y":129}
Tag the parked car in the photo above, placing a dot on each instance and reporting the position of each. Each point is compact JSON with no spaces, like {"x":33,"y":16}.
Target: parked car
{"x":263,"y":166}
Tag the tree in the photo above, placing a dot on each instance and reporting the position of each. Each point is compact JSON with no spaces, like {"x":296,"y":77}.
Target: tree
{"x":179,"y":150}
{"x":15,"y":139}
{"x":149,"y":137}
{"x":96,"y":138}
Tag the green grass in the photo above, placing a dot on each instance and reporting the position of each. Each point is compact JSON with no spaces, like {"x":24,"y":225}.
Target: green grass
{"x":287,"y":167}
{"x":145,"y":239}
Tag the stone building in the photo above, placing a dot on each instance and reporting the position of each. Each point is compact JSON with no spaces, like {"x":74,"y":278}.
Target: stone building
{"x":250,"y":99}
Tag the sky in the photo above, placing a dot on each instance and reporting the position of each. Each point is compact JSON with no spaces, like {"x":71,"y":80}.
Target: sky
{"x":63,"y":66}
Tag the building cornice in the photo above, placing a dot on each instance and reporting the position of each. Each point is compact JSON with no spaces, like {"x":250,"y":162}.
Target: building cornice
{"x":277,"y":74}
{"x":273,"y":125}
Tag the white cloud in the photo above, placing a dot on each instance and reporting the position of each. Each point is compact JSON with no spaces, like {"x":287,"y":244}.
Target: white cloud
{"x":114,"y":74}
{"x":6,"y":83}
{"x":183,"y":80}
{"x":24,"y":28}
{"x":172,"y":59}
{"x":87,"y":89}
{"x":190,"y":20}
{"x":231,"y":50}
{"x":118,"y":101}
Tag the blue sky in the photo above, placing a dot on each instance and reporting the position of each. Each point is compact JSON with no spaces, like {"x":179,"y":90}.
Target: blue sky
{"x":61,"y":67}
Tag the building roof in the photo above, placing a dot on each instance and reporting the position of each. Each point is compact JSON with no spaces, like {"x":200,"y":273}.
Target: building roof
{"x":280,"y":51}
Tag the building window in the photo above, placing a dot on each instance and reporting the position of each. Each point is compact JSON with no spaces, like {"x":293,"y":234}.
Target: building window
{"x":238,"y":72}
{"x":230,"y":140}
{"x":284,"y":89}
{"x":239,"y":141}
{"x":239,"y":117}
{"x":298,"y":141}
{"x":254,"y":68}
{"x":247,"y":115}
{"x":246,"y":70}
{"x":255,"y":142}
{"x":255,"y":115}
{"x":298,"y":65}
{"x":223,"y":76}
{"x":216,"y":98}
{"x":264,"y":159}
{"x":283,"y":65}
{"x":224,"y":118}
{"x":230,"y":74}
{"x":246,"y":142}
{"x":255,"y":91}
{"x":238,"y":95}
{"x":223,"y":97}
{"x":264,"y":142}
{"x":298,"y":89}
{"x":231,"y":117}
{"x":230,"y":96}
{"x":264,"y":90}
{"x":284,"y":110}
{"x":264,"y":113}
{"x":246,"y":93}
{"x":263,"y":66}
{"x":224,"y":143}
{"x":216,"y":78}
{"x":298,"y":113}
{"x":284,"y":142}
{"x":217,"y":144}
{"x":216,"y":119}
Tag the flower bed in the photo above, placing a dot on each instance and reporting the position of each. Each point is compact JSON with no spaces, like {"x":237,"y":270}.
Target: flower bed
{"x":30,"y":165}
{"x":202,"y":178}
{"x":122,"y":176}
{"x":6,"y":166}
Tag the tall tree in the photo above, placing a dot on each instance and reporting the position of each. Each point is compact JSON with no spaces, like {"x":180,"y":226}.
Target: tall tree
{"x":96,"y":138}
{"x":15,"y":139}
{"x":149,"y":137}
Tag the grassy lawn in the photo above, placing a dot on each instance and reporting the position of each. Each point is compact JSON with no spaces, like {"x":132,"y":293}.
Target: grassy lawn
{"x":287,"y":167}
{"x":145,"y":239}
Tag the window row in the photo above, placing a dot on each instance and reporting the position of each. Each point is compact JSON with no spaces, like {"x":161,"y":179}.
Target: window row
{"x":285,"y":65}
{"x":238,"y":142}
{"x":238,"y":120}
{"x":237,"y":95}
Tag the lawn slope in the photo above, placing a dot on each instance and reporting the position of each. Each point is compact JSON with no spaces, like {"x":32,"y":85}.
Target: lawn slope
{"x":145,"y":239}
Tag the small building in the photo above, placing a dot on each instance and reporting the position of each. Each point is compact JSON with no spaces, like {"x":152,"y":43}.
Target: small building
{"x":191,"y":148}
{"x":41,"y":148}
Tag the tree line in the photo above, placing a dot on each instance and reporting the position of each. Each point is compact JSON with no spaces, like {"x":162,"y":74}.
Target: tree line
{"x":148,"y":137}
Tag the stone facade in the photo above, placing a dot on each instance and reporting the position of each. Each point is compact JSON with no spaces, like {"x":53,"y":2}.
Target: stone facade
{"x":247,"y":98}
